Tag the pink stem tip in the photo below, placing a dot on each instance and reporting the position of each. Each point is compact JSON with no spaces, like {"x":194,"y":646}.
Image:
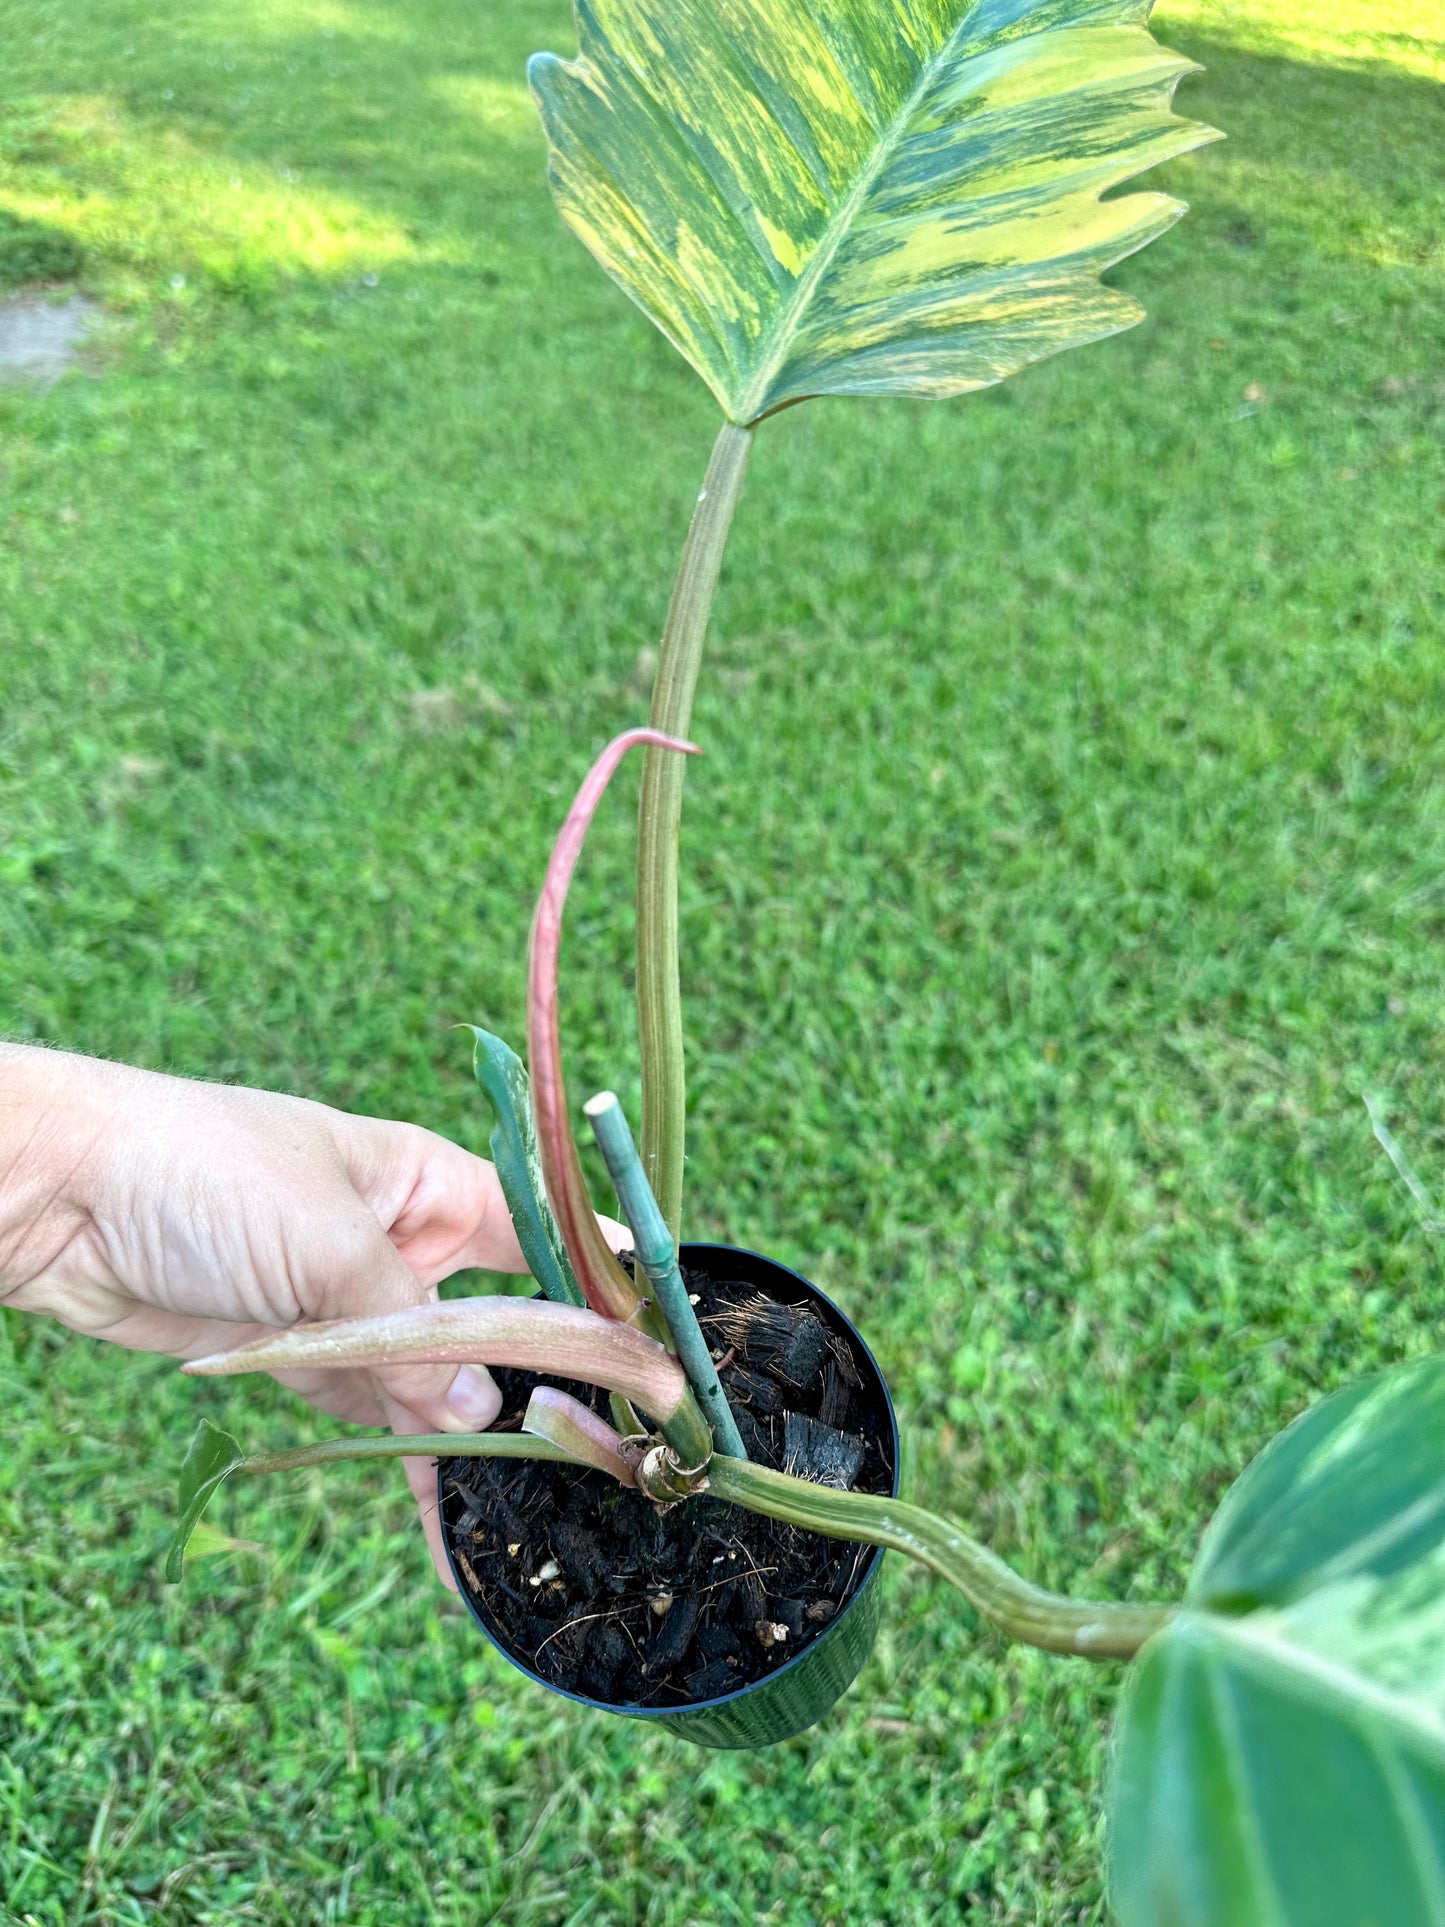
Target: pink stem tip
{"x":605,"y":1285}
{"x":530,"y":1334}
{"x":581,"y":1432}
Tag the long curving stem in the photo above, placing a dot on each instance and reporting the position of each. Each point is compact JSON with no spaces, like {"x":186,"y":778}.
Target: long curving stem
{"x":1089,"y":1629}
{"x":1092,"y":1629}
{"x":659,"y":997}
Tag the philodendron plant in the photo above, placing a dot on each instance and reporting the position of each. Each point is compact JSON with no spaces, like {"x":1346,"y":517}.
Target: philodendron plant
{"x":1280,"y":1757}
{"x":902,"y":197}
{"x":598,"y":1326}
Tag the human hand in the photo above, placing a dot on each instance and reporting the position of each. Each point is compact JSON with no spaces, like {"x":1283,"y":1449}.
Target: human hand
{"x":188,"y":1218}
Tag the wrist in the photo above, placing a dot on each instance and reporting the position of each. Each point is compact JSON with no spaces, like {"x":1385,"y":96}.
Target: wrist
{"x":51,"y":1118}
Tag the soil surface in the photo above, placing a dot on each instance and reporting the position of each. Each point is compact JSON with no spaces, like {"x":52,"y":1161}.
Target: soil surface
{"x":593,"y":1588}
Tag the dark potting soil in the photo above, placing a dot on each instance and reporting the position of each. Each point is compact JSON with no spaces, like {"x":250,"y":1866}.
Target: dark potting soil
{"x":593,"y":1588}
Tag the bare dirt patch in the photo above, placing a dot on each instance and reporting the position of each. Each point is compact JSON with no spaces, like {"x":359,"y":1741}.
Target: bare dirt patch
{"x":41,"y":337}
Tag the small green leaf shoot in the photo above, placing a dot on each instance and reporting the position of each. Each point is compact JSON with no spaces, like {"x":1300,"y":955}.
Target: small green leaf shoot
{"x":211,"y":1458}
{"x":207,"y":1542}
{"x":625,"y":1421}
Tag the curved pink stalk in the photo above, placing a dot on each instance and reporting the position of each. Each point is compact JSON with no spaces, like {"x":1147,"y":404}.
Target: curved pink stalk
{"x":582,"y":1434}
{"x":531,"y":1334}
{"x":605,"y":1285}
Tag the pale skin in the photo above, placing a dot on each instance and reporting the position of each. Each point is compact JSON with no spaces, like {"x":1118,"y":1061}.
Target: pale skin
{"x":187,"y":1218}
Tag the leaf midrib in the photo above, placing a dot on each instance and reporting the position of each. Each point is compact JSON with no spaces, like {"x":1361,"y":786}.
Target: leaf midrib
{"x":1254,"y":1647}
{"x":839,"y":223}
{"x":1387,"y":1717}
{"x":1252,"y":1834}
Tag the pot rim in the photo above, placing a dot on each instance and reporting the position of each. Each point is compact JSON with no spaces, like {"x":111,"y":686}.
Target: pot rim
{"x":867,"y":1572}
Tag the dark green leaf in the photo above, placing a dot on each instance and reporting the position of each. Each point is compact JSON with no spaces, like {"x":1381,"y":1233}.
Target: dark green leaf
{"x":889,"y":197}
{"x":1355,"y":1486}
{"x":513,"y":1145}
{"x":212,"y":1457}
{"x":1281,"y":1751}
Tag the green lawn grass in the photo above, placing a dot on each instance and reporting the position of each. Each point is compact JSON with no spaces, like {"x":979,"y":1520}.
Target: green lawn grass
{"x":1067,"y":863}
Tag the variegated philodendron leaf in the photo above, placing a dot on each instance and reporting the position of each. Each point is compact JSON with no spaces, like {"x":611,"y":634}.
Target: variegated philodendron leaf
{"x":887,"y":197}
{"x":1280,"y":1760}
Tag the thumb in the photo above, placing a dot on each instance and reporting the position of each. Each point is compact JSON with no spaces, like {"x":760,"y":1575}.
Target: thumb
{"x":437,"y":1398}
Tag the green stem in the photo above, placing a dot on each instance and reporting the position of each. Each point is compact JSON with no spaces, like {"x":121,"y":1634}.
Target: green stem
{"x":659,"y":999}
{"x":1091,"y":1629}
{"x":423,"y":1445}
{"x":656,"y":1254}
{"x":688,"y":1436}
{"x":688,"y":1432}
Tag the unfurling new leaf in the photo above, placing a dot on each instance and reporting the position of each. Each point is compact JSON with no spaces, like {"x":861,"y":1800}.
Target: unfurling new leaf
{"x":607,"y":1287}
{"x":583,"y":1434}
{"x":513,"y":1145}
{"x":212,"y":1457}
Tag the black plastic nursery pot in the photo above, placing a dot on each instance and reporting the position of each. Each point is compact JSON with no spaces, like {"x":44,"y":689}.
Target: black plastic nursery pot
{"x":824,"y":1654}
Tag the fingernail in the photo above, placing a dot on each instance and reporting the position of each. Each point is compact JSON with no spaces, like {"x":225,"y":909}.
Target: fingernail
{"x":474,"y":1400}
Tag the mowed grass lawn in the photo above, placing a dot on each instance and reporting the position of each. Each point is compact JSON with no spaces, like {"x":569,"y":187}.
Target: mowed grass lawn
{"x":1067,"y":865}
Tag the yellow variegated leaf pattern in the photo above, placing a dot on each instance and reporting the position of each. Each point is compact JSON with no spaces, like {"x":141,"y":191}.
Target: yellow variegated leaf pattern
{"x":891,"y":197}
